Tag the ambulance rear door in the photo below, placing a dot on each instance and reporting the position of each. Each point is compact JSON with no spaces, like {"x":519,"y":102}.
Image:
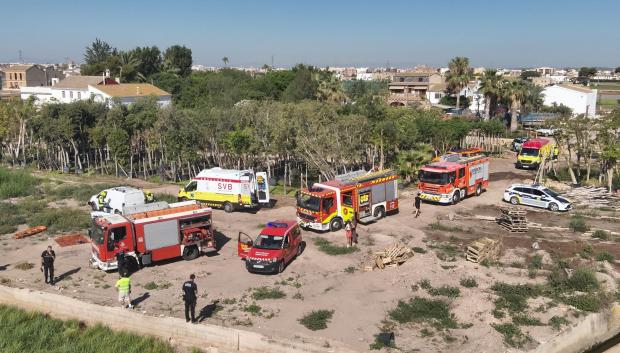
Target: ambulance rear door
{"x":262,"y":187}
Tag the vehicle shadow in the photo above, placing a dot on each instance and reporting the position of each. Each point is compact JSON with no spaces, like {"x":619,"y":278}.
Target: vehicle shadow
{"x":221,"y":239}
{"x":4,"y":267}
{"x":67,"y":274}
{"x":207,"y":311}
{"x":141,"y":298}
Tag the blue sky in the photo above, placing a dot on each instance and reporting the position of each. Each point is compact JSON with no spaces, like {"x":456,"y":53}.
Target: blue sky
{"x":321,"y":32}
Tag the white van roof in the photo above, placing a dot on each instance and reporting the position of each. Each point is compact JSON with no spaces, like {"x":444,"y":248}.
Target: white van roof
{"x":219,"y":172}
{"x":125,"y":189}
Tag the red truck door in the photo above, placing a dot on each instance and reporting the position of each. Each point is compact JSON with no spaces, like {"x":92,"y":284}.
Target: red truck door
{"x":119,"y":237}
{"x":244,"y":244}
{"x":287,"y":248}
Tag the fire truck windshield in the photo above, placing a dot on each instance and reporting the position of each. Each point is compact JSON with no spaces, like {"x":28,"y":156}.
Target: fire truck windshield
{"x":96,"y":234}
{"x":426,"y":176}
{"x":308,"y":202}
{"x":533,"y":152}
{"x":268,"y":242}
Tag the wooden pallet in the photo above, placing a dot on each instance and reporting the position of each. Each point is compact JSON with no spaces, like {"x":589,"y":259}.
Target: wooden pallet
{"x":483,"y":248}
{"x":390,"y":257}
{"x":512,"y":219}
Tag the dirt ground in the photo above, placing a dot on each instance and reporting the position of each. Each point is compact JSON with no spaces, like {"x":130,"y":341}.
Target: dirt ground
{"x":360,"y":300}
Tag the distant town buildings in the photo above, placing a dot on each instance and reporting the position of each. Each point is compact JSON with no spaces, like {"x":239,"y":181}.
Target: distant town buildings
{"x":17,"y":76}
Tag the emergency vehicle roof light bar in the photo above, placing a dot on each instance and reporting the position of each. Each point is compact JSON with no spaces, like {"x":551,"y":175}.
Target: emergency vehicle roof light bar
{"x":277,"y":225}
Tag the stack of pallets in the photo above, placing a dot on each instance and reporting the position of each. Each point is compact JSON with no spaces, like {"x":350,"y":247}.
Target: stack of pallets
{"x":393,"y":256}
{"x":483,"y":249}
{"x":513,"y":220}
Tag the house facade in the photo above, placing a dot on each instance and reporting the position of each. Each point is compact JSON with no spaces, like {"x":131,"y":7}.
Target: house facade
{"x":68,"y":90}
{"x":413,"y":87}
{"x":581,"y":100}
{"x":17,"y":76}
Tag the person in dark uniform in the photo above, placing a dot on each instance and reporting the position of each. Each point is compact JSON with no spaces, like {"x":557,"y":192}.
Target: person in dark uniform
{"x":416,"y":203}
{"x":189,"y":297}
{"x":122,"y":264}
{"x":47,"y":264}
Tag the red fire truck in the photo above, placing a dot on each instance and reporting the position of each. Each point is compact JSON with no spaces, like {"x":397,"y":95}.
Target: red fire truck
{"x":451,"y":181}
{"x":153,"y":232}
{"x":367,"y":196}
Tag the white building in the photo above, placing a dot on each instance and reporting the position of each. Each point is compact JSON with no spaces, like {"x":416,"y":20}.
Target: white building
{"x":581,"y":100}
{"x":67,"y":90}
{"x":127,"y":93}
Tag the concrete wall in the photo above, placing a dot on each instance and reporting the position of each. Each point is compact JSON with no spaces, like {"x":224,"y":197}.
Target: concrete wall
{"x":169,"y":329}
{"x":579,"y":102}
{"x":592,"y":330}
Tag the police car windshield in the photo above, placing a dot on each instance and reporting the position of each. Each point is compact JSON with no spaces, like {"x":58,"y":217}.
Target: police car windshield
{"x":529,"y":152}
{"x":268,"y":242}
{"x":550,"y":192}
{"x":96,"y":234}
{"x":309,"y":202}
{"x":433,"y":177}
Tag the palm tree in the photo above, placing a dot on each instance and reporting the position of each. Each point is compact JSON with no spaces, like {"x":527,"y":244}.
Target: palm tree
{"x":533,"y":97}
{"x":331,"y":90}
{"x":513,"y":92}
{"x":130,"y":64}
{"x":459,"y":75}
{"x":225,"y":60}
{"x":97,"y":52}
{"x":490,"y":85}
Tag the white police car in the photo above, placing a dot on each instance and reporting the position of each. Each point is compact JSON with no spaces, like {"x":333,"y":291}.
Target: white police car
{"x":537,"y":196}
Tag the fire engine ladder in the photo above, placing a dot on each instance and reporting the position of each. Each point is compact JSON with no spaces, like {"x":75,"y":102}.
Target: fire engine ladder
{"x":361,"y":176}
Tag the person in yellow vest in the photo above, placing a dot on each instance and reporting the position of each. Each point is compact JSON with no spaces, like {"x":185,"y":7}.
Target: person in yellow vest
{"x":124,"y":290}
{"x":149,"y":196}
{"x":101,"y":198}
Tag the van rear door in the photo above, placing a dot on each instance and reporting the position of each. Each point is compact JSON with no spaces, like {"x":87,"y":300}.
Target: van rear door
{"x":262,"y":186}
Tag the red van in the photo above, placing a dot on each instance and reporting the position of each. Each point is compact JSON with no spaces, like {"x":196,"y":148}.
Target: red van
{"x":276,"y":245}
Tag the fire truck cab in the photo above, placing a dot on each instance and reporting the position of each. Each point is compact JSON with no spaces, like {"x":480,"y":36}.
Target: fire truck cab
{"x":276,"y":246}
{"x":357,"y":196}
{"x":451,"y":181}
{"x":161,"y":231}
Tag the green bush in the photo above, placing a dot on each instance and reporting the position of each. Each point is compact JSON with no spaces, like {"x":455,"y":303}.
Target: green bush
{"x":22,"y":332}
{"x":605,"y":256}
{"x":586,"y":302}
{"x":600,"y":234}
{"x":469,"y":282}
{"x":513,"y":297}
{"x":446,"y":291}
{"x":523,"y":320}
{"x":16,"y":183}
{"x":578,"y":224}
{"x":165,"y":197}
{"x":583,"y":280}
{"x":60,"y":219}
{"x":327,"y":247}
{"x":536,"y":262}
{"x":262,"y":293}
{"x":418,"y":250}
{"x":513,"y":336}
{"x":435,"y":312}
{"x":557,"y":322}
{"x":444,"y":228}
{"x":253,"y":309}
{"x":151,"y":285}
{"x":316,"y":320}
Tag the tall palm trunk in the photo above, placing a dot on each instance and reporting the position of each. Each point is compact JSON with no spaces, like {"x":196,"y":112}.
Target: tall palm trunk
{"x":458,"y":98}
{"x":513,"y":117}
{"x":487,"y":108}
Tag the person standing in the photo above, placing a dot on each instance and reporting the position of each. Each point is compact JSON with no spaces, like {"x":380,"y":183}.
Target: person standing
{"x":354,"y":229}
{"x":349,"y":233}
{"x":416,"y":203}
{"x":121,"y":263}
{"x":124,"y":290}
{"x":47,"y":264}
{"x":190,"y":291}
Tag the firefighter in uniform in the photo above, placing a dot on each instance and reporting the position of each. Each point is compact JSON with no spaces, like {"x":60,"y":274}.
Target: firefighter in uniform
{"x":189,"y":297}
{"x":47,"y":264}
{"x":101,"y":198}
{"x":148,"y":195}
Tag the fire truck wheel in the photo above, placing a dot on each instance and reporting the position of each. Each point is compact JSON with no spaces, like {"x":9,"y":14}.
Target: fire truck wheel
{"x":281,"y":266}
{"x":379,"y":212}
{"x":456,"y":197}
{"x":190,"y":252}
{"x":335,"y":224}
{"x":183,"y":199}
{"x":228,"y":207}
{"x":478,"y":190}
{"x":514,"y":200}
